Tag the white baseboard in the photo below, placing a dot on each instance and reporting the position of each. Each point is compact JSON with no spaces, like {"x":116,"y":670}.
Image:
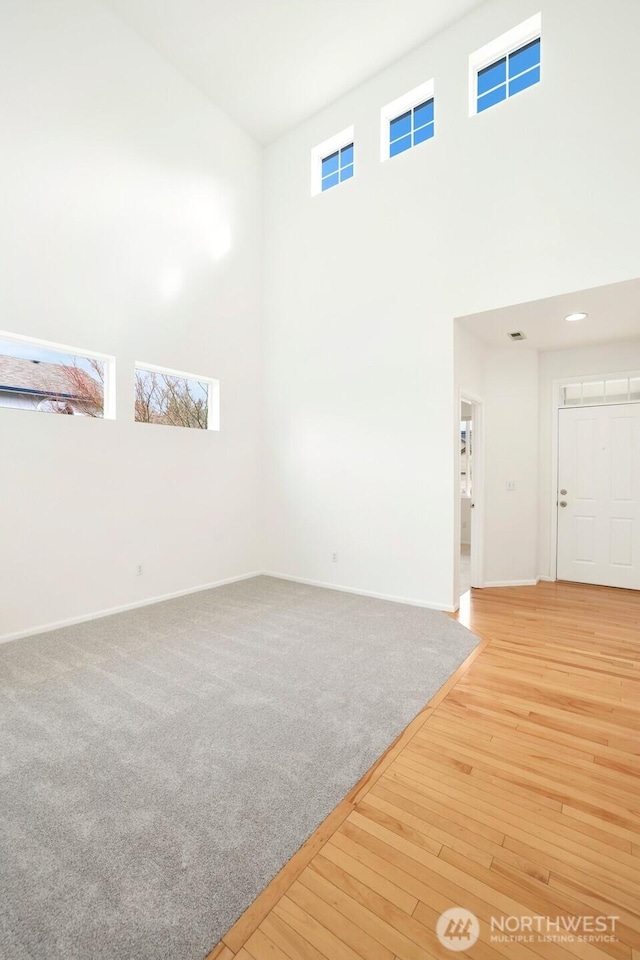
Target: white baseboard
{"x":513,"y":583}
{"x":547,"y":579}
{"x":363,"y":593}
{"x":85,"y":618}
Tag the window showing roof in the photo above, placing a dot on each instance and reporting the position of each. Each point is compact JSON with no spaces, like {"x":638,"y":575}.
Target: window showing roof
{"x":47,"y":379}
{"x":37,"y":375}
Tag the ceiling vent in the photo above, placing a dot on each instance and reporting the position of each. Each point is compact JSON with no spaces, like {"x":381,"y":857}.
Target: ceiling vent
{"x":517,"y":335}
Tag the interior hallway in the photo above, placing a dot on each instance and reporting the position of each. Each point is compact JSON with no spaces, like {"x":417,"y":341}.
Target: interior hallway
{"x":514,"y":792}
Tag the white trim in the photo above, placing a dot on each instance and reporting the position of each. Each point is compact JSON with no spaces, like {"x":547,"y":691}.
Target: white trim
{"x":325,"y":149}
{"x":427,"y":605}
{"x":517,"y":37}
{"x":399,"y":106}
{"x":513,"y":583}
{"x":109,"y":385}
{"x":213,"y":389}
{"x":86,"y":618}
{"x":477,"y":513}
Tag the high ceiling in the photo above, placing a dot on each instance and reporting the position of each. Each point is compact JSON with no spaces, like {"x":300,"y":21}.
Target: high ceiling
{"x":613,"y":314}
{"x":269,"y":64}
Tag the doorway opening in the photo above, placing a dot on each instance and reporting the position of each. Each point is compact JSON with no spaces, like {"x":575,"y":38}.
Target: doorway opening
{"x":466,"y":493}
{"x":469,"y":481}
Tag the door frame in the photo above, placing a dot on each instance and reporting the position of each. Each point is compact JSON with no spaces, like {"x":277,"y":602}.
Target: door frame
{"x":477,"y":513}
{"x":556,"y":406}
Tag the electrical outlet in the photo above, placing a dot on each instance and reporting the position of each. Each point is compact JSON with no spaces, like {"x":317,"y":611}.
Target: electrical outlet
{"x":334,"y":557}
{"x":511,"y":485}
{"x":139,"y":570}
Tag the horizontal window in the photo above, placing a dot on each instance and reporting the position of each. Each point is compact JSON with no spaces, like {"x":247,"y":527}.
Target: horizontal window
{"x":49,"y":378}
{"x":175,"y":399}
{"x":596,"y":392}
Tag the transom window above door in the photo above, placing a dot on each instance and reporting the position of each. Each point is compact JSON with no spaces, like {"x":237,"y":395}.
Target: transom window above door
{"x":585,"y":393}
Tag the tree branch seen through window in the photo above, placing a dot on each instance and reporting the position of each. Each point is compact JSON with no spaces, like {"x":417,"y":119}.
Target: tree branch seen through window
{"x":172,"y":400}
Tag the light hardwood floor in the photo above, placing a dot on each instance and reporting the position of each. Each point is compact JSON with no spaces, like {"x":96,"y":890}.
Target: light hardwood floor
{"x":515,"y":792}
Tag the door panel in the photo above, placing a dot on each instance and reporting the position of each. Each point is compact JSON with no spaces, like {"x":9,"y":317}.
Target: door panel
{"x":599,"y":467}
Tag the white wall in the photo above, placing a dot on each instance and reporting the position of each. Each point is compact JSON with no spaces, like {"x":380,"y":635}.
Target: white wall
{"x":506,"y":380}
{"x":115,"y":174}
{"x":609,"y":358}
{"x":511,"y":455}
{"x":532,"y":198}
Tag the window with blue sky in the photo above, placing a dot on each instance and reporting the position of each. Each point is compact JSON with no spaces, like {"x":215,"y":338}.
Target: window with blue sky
{"x":338,"y":166}
{"x":411,"y":128}
{"x":509,"y":75}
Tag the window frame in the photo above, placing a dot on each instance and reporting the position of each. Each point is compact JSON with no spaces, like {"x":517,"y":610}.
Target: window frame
{"x":109,"y":362}
{"x":323,"y":150}
{"x":391,"y":111}
{"x":598,"y":400}
{"x":502,"y":46}
{"x":213,"y":393}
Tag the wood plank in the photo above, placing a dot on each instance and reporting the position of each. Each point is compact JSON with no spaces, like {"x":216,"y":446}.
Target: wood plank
{"x":513,"y":791}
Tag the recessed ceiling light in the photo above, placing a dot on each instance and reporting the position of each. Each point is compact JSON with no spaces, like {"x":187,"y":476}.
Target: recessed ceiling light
{"x":576,"y":316}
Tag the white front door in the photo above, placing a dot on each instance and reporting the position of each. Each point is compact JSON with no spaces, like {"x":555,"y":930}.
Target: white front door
{"x":599,"y":495}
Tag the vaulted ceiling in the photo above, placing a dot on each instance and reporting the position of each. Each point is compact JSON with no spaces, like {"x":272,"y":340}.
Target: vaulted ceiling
{"x":269,"y":64}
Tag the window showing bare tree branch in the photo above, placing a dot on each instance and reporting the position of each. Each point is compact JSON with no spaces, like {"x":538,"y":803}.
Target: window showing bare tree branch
{"x":170,"y":399}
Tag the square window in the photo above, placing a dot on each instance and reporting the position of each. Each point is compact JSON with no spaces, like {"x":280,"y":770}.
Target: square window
{"x":332,"y":162}
{"x":411,"y":128}
{"x":407,"y":121}
{"x":506,"y":66}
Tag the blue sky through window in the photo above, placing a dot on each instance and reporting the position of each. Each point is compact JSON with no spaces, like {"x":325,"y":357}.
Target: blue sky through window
{"x":31,"y":351}
{"x":509,"y":75}
{"x":412,"y":127}
{"x":338,"y":166}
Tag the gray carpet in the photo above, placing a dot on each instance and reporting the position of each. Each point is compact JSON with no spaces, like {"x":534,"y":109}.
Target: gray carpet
{"x":158,"y":767}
